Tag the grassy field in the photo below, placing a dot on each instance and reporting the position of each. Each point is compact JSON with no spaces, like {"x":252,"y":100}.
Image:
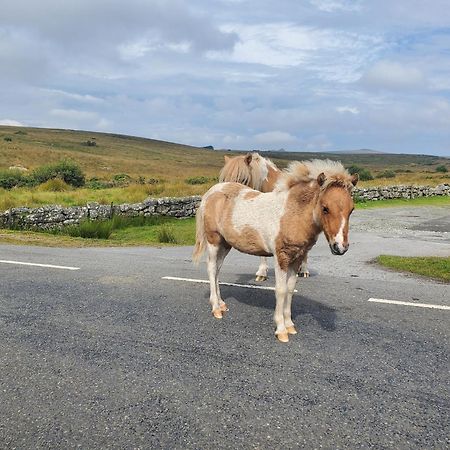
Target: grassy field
{"x":154,"y":231}
{"x":163,"y":168}
{"x":432,"y":267}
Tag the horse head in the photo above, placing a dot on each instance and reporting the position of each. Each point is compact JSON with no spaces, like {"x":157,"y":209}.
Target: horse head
{"x":333,"y":209}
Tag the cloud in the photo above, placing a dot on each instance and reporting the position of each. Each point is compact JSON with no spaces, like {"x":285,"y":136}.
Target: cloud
{"x":11,"y":123}
{"x":393,"y":75}
{"x":274,"y":138}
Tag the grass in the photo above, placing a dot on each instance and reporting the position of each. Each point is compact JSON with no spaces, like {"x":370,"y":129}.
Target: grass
{"x":420,"y":201}
{"x":432,"y":267}
{"x":153,"y":231}
{"x":185,"y":170}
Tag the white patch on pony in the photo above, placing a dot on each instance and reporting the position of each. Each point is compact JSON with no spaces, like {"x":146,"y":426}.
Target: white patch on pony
{"x":262,"y":213}
{"x":339,"y":238}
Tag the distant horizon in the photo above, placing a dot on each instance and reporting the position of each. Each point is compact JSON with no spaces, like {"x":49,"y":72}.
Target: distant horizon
{"x":362,"y":150}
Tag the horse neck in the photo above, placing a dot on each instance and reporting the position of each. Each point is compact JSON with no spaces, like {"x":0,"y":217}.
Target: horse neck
{"x":301,"y":203}
{"x":271,"y":180}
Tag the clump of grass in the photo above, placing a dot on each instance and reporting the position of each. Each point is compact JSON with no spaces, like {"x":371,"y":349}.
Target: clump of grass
{"x":197,"y":180}
{"x":166,"y":235}
{"x":433,"y":267}
{"x":54,"y":185}
{"x":442,"y":169}
{"x":387,"y":174}
{"x":90,"y":229}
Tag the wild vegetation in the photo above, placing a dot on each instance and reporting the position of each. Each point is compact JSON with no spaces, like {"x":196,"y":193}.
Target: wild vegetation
{"x":44,"y":166}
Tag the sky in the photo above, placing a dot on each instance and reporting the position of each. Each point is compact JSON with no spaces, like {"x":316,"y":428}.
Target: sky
{"x":305,"y":75}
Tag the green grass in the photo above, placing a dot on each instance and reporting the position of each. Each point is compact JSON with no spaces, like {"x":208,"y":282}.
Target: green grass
{"x":120,"y":231}
{"x":421,"y":201}
{"x":432,"y":267}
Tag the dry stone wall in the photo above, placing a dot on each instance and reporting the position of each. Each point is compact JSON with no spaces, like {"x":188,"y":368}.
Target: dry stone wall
{"x":54,"y":216}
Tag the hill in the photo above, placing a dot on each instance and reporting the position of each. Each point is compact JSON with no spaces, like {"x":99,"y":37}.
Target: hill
{"x":104,"y":154}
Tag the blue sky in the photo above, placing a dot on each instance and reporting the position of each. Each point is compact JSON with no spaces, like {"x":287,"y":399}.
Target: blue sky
{"x":299,"y":75}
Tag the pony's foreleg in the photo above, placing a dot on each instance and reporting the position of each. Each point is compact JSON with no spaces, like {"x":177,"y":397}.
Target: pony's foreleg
{"x":261,"y":274}
{"x":280,"y":294}
{"x":304,"y":272}
{"x":287,"y":311}
{"x":216,"y":256}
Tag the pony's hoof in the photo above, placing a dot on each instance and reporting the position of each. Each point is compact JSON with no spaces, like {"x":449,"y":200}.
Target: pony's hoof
{"x":291,"y":330}
{"x":217,"y":313}
{"x":304,"y":274}
{"x":283,"y":337}
{"x":223,"y":307}
{"x":260,"y":278}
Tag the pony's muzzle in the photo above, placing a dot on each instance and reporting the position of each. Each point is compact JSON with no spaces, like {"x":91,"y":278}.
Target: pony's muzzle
{"x":339,"y":249}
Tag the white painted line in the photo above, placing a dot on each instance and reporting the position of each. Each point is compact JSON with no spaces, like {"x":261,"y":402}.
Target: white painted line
{"x":247,"y":286}
{"x":419,"y":305}
{"x":51,"y":266}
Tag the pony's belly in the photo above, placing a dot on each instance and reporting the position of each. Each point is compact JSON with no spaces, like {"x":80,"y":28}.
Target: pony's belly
{"x":247,"y":240}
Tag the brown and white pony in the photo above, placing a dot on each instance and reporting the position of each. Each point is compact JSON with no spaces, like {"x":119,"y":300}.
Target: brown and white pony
{"x":310,"y":197}
{"x":262,"y":175}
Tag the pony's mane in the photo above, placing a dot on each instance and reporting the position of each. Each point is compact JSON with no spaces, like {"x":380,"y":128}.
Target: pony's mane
{"x":306,"y":171}
{"x":238,"y":170}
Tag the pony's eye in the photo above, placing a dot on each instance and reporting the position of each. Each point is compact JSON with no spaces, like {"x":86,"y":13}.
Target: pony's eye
{"x":325,"y":210}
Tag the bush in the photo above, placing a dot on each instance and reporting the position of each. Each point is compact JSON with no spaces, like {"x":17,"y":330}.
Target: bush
{"x":386,"y":174}
{"x":12,"y":178}
{"x":7,"y":139}
{"x":364,"y":174}
{"x":121,"y":179}
{"x":441,"y":169}
{"x":197,"y":180}
{"x":54,"y":185}
{"x":90,"y":143}
{"x":96,"y":183}
{"x":66,"y":170}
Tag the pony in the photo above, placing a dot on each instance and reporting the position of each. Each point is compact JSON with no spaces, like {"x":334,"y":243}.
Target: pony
{"x":262,"y":175}
{"x":309,"y":197}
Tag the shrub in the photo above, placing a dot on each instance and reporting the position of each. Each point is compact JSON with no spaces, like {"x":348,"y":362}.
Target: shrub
{"x":7,"y":139}
{"x":197,"y":180}
{"x":12,"y":178}
{"x":54,"y":185}
{"x":67,"y":170}
{"x":96,"y":183}
{"x":121,"y":179}
{"x":154,"y":181}
{"x":386,"y":174}
{"x":90,"y":143}
{"x":364,"y":174}
{"x":441,"y":169}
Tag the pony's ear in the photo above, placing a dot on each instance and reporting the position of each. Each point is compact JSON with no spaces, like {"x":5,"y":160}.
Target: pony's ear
{"x":226,"y":158}
{"x":321,"y":179}
{"x":248,"y":158}
{"x":354,"y":179}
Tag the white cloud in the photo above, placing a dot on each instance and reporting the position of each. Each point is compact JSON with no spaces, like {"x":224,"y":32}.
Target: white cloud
{"x":347,"y":109}
{"x":337,"y":5}
{"x":11,"y":123}
{"x":393,"y":75}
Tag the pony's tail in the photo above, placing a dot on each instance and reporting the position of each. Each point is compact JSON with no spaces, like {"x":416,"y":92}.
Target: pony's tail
{"x":200,"y":236}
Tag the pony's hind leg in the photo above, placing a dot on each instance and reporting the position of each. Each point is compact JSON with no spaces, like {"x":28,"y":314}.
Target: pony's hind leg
{"x":261,"y":274}
{"x":304,"y":272}
{"x":216,"y":255}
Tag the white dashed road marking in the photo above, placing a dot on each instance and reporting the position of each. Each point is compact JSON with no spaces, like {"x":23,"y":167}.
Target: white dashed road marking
{"x":418,"y":305}
{"x":50,"y":266}
{"x":247,"y":286}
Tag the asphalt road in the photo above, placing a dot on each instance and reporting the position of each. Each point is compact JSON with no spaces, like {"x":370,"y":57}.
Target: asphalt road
{"x":114,"y":356}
